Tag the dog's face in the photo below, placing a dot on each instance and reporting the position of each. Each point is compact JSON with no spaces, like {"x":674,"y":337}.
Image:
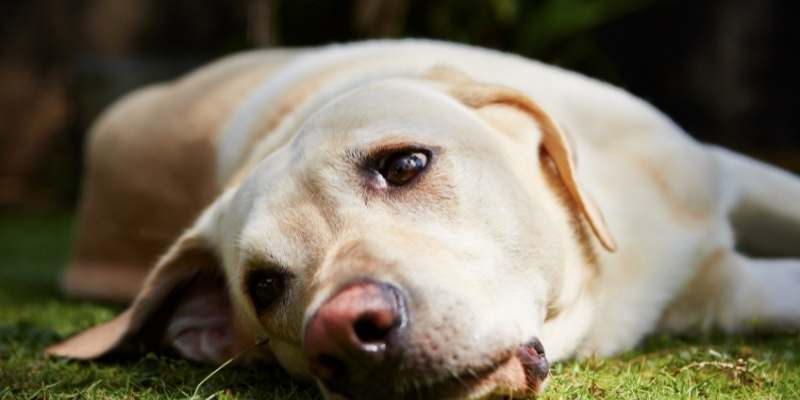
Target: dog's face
{"x":395,"y":191}
{"x":408,"y":240}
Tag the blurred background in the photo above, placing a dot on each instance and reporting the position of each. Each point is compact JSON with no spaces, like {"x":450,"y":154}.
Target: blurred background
{"x":726,"y":70}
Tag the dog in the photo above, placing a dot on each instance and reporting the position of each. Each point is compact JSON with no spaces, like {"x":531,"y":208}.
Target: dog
{"x":419,"y":219}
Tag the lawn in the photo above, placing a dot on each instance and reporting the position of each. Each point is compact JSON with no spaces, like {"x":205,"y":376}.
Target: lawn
{"x":33,"y":315}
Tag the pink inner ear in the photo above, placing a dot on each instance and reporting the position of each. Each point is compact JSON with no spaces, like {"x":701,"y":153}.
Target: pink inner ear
{"x":202,"y":327}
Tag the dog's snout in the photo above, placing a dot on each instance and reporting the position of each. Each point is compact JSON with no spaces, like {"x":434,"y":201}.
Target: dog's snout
{"x":354,"y":330}
{"x":534,"y":362}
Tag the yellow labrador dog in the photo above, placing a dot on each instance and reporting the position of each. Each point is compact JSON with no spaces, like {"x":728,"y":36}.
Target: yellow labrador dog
{"x":419,"y":219}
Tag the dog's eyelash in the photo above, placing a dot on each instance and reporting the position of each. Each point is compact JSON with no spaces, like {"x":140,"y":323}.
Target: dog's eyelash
{"x":253,"y":256}
{"x":262,"y":262}
{"x":369,"y":158}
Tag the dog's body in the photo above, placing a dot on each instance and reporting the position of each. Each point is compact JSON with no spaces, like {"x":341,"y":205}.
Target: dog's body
{"x":505,"y":216}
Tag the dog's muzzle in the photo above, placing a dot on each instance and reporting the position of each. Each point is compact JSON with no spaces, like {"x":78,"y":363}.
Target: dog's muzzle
{"x":355,"y":344}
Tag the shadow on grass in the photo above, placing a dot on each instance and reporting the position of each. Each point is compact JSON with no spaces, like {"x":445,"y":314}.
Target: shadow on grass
{"x":26,"y":373}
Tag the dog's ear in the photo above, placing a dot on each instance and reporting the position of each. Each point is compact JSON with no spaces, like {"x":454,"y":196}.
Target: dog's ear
{"x":184,"y":306}
{"x":554,"y":142}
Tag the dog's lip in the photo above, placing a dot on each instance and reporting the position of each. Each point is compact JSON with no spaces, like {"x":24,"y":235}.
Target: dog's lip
{"x":534,"y":364}
{"x":470,"y":383}
{"x":519,"y":372}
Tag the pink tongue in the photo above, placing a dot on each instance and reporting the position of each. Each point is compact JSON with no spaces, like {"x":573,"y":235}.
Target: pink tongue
{"x":531,"y":356}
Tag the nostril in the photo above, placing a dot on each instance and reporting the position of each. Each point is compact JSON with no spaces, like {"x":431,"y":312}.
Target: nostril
{"x":371,"y":329}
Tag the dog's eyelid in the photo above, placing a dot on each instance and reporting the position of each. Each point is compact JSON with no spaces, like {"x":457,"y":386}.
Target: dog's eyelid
{"x":253,"y":256}
{"x":383,"y":149}
{"x":264,"y":264}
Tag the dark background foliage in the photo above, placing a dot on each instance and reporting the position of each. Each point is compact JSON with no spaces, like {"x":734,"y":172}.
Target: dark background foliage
{"x":726,"y":70}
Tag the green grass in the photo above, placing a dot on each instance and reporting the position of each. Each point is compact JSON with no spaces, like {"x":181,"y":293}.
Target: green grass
{"x":32,"y":316}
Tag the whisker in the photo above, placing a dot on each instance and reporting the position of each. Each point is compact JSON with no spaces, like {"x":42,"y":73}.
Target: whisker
{"x":458,"y":379}
{"x":222,"y":366}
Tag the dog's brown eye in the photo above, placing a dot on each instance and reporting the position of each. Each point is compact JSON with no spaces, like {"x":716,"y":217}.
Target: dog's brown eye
{"x":402,"y":167}
{"x":265,"y":287}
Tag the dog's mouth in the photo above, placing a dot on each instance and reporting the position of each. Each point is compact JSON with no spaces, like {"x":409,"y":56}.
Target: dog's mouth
{"x":519,"y":372}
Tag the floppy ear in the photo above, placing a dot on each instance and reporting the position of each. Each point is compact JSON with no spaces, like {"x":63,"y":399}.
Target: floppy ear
{"x":184,"y":306}
{"x":554,"y":141}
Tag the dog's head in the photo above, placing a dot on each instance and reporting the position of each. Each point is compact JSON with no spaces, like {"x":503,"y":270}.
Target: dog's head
{"x":411,"y":239}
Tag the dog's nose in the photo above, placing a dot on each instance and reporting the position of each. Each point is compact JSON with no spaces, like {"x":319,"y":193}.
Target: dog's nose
{"x":353,"y":331}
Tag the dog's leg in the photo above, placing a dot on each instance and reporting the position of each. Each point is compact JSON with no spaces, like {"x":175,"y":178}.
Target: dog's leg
{"x":760,"y":294}
{"x":738,"y":294}
{"x":764,"y":205}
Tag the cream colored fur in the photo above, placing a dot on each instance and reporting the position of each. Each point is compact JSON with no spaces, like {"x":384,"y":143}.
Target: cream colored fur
{"x":494,"y":239}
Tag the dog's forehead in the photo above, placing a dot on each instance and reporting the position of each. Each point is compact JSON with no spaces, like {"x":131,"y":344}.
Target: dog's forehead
{"x":300,"y":175}
{"x":397,"y":110}
{"x":391,"y":107}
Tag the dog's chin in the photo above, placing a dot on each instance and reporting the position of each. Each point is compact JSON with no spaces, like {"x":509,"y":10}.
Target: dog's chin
{"x":522,"y":373}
